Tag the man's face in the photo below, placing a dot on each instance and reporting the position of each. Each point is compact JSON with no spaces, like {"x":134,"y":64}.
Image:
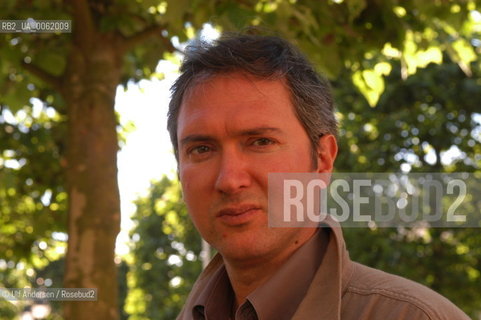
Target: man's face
{"x":232,"y":131}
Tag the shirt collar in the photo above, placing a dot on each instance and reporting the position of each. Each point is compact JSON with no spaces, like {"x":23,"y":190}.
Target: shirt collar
{"x":216,"y":298}
{"x":323,"y":298}
{"x":284,"y":291}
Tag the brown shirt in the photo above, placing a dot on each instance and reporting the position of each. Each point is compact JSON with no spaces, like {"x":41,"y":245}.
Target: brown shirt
{"x":278,"y":298}
{"x":319,"y":281}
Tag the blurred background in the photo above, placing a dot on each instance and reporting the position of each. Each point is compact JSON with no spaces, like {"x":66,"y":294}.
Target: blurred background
{"x":89,"y":196}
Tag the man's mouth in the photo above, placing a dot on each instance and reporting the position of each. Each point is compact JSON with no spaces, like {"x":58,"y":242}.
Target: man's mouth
{"x":238,"y":215}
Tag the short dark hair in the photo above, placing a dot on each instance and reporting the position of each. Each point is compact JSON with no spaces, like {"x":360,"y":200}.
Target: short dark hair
{"x":265,"y":57}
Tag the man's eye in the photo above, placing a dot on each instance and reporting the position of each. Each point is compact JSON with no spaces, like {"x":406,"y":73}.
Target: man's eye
{"x":199,"y":150}
{"x":263,"y":142}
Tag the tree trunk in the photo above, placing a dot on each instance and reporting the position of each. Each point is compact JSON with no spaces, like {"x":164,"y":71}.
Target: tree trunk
{"x":88,"y":88}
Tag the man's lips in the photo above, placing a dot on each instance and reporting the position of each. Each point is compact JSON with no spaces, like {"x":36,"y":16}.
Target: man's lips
{"x":235,"y":211}
{"x":237,"y":215}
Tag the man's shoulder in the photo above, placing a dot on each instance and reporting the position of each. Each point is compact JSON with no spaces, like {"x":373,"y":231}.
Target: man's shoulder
{"x":374,"y":294}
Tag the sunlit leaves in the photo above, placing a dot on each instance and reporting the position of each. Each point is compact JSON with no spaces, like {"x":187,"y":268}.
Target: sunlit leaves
{"x":415,"y":56}
{"x":370,"y":83}
{"x":165,"y":254}
{"x":417,"y":30}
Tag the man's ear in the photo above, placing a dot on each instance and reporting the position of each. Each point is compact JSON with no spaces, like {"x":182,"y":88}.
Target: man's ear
{"x":326,"y":153}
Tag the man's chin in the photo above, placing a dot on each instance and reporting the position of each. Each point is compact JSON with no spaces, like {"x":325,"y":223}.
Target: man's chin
{"x":241,"y":249}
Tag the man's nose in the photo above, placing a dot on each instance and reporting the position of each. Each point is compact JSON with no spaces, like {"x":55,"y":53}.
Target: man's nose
{"x":233,"y":172}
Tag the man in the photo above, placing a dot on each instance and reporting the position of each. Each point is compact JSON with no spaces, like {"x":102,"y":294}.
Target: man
{"x":242,"y":108}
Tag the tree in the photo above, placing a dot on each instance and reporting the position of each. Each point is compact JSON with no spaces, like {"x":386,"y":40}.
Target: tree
{"x":77,"y":75}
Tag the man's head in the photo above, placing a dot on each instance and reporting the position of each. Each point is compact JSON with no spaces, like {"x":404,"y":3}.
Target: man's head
{"x":241,"y":109}
{"x":263,"y":57}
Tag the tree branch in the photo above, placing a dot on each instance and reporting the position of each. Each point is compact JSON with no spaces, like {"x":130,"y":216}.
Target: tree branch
{"x":83,"y":22}
{"x":50,"y":79}
{"x":143,"y":35}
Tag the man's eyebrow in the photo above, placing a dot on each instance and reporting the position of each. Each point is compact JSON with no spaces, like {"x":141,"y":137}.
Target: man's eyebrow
{"x":259,"y":131}
{"x":195,"y":138}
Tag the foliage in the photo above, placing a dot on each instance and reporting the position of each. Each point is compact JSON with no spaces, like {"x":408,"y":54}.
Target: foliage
{"x":345,"y":34}
{"x":418,"y":120}
{"x":164,"y":260}
{"x":414,"y":124}
{"x":32,"y":194}
{"x":11,"y":278}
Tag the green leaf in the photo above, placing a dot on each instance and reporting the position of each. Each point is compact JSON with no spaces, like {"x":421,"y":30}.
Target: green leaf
{"x":355,"y":8}
{"x":176,"y":9}
{"x":51,"y":61}
{"x":464,"y":51}
{"x":16,"y":98}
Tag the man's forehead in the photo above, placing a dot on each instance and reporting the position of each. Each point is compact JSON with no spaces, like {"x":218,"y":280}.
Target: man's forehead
{"x":206,"y":81}
{"x":234,"y":103}
{"x":236,"y":95}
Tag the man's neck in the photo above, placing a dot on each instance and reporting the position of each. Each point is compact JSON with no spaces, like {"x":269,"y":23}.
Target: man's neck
{"x":246,"y":276}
